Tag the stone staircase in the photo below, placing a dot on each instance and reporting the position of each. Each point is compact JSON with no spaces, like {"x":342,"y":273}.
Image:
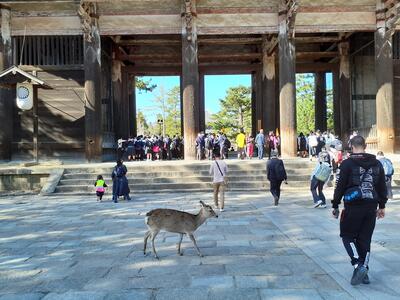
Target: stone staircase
{"x":180,"y":176}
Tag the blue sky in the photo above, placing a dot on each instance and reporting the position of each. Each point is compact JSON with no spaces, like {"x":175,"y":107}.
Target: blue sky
{"x":215,"y":89}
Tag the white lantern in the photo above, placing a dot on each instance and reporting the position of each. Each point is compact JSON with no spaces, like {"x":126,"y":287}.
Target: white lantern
{"x":25,"y":96}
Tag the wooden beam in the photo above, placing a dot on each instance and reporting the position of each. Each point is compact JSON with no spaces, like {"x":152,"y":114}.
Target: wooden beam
{"x":218,"y":56}
{"x":315,"y":67}
{"x":146,"y":42}
{"x":311,"y":55}
{"x":229,"y":41}
{"x":316,"y":39}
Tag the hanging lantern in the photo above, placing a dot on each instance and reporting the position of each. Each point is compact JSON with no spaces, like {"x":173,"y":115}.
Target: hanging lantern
{"x":25,"y":96}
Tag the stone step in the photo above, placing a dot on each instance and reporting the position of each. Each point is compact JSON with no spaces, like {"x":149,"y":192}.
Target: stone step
{"x":156,"y":187}
{"x":149,"y":180}
{"x":185,"y":173}
{"x":152,"y":167}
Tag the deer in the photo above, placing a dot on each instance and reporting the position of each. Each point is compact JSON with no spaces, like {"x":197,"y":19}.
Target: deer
{"x":176,"y":221}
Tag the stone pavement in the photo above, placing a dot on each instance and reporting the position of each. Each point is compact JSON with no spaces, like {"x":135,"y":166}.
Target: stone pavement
{"x":64,"y":247}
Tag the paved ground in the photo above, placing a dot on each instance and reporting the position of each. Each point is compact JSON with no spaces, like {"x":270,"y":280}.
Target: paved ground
{"x":75,"y":248}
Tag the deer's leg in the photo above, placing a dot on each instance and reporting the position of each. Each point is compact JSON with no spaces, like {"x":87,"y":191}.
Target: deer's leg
{"x":179,"y":244}
{"x":153,"y":236}
{"x":195,"y":244}
{"x":146,"y":237}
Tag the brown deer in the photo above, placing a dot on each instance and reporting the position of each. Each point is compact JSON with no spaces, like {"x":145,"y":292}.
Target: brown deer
{"x":176,"y":221}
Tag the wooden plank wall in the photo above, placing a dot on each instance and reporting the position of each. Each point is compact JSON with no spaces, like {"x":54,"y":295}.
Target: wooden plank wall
{"x":396,"y":91}
{"x":61,"y":117}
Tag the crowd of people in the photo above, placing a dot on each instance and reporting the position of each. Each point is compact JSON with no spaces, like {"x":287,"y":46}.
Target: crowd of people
{"x":246,"y":145}
{"x":150,"y":148}
{"x":363,"y":181}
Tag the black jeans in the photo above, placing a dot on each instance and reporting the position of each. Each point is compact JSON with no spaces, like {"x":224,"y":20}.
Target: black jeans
{"x":357,"y":223}
{"x":275,"y":188}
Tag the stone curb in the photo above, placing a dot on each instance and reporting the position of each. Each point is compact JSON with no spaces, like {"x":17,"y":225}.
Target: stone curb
{"x":52,"y":182}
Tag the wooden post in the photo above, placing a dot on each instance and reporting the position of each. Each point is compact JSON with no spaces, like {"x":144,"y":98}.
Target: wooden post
{"x":92,"y":67}
{"x":35,"y":119}
{"x":190,"y":78}
{"x":287,"y":87}
{"x":384,"y":80}
{"x":256,"y":83}
{"x":344,"y":92}
{"x":202,"y":110}
{"x":116,"y":78}
{"x":269,"y":96}
{"x":132,"y":106}
{"x":320,"y":101}
{"x":254,"y":127}
{"x":336,"y":102}
{"x":7,"y":98}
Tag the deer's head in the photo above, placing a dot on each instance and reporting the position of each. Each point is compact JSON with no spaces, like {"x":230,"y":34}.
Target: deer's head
{"x":207,"y":210}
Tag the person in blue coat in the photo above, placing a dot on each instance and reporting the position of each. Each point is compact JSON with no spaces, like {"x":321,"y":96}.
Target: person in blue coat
{"x":260,"y":142}
{"x":120,"y":182}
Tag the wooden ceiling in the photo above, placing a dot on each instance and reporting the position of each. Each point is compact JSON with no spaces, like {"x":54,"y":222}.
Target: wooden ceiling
{"x":127,"y":17}
{"x":148,"y":32}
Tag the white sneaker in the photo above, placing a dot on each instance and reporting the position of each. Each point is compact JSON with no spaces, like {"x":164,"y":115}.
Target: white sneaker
{"x":221,"y":209}
{"x":322,"y":206}
{"x":317,"y":204}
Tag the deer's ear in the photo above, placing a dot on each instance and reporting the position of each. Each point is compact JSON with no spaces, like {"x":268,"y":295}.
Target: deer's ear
{"x":202,"y":203}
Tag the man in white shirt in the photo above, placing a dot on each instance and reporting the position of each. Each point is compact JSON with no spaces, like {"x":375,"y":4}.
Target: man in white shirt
{"x":219,"y":169}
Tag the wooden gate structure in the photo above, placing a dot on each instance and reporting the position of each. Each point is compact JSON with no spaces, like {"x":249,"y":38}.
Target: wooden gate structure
{"x":89,"y":52}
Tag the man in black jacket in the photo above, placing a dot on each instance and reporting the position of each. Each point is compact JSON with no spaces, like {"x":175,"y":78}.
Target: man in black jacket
{"x":361,"y":184}
{"x":276,"y":173}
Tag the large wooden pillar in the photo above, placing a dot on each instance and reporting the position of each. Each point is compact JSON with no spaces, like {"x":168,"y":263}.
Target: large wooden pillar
{"x":287,"y":84}
{"x":336,"y":102}
{"x":92,"y":67}
{"x":118,"y":103}
{"x":320,"y":101}
{"x":268,"y":92}
{"x":202,"y":110}
{"x":384,"y":80}
{"x":190,"y":78}
{"x":6,"y":95}
{"x":344,"y":92}
{"x":132,"y":106}
{"x":256,"y":83}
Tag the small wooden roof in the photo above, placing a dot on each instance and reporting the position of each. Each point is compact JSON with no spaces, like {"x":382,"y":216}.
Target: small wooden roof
{"x":14,"y":75}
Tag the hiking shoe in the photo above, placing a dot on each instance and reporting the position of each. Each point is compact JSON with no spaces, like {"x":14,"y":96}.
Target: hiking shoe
{"x":276,"y":200}
{"x":366,"y":280}
{"x":317,"y":204}
{"x":358,"y":275}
